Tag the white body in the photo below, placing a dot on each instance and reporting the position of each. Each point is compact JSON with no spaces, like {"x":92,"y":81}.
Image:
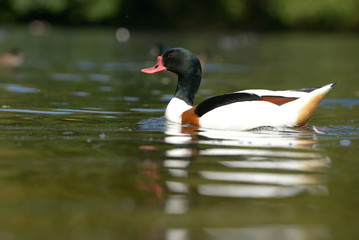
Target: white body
{"x":174,"y":110}
{"x":252,"y":114}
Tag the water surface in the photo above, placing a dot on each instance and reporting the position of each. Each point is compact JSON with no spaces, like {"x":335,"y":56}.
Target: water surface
{"x":86,"y":154}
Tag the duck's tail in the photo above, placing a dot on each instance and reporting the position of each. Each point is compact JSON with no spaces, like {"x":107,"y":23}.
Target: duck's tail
{"x":305,"y":106}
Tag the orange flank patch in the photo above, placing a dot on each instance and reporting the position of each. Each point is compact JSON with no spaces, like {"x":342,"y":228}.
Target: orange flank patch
{"x":190,"y":117}
{"x":278,"y":100}
{"x":307,"y":110}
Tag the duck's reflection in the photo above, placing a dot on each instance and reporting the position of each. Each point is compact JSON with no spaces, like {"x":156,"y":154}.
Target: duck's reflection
{"x":266,"y":163}
{"x":265,"y":137}
{"x":269,"y":232}
{"x":257,"y":232}
{"x":239,"y":174}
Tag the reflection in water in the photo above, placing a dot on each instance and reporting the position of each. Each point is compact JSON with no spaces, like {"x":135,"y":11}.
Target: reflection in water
{"x":150,"y":172}
{"x":264,"y":137}
{"x":176,"y":204}
{"x":176,"y":163}
{"x":177,"y":187}
{"x":177,"y":234}
{"x":267,"y":178}
{"x":249,"y":191}
{"x":271,"y":232}
{"x":283,"y":164}
{"x":300,"y":170}
{"x":261,"y":164}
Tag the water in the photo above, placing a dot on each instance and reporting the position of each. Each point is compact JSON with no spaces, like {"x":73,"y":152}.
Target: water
{"x":86,"y":154}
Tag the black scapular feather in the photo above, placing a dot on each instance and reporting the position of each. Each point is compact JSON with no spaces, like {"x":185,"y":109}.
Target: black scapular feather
{"x":308,"y":90}
{"x":222,"y":100}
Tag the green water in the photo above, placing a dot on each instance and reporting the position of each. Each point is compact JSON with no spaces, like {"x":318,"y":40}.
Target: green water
{"x":86,"y":154}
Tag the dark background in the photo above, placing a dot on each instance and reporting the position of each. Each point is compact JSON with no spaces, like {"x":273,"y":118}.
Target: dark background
{"x":268,"y":15}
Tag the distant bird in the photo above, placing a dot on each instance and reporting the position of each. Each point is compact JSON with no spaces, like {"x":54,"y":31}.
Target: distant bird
{"x":13,"y":58}
{"x":242,"y":110}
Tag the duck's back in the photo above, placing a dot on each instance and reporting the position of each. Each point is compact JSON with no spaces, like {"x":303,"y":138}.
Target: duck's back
{"x":273,"y":108}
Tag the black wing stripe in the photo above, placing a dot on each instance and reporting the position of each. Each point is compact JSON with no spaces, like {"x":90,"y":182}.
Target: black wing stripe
{"x":308,"y":90}
{"x":222,"y":100}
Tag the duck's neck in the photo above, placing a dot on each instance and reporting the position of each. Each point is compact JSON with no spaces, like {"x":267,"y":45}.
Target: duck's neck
{"x":188,"y":84}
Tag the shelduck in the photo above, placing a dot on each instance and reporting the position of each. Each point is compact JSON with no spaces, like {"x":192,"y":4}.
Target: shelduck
{"x":242,"y":110}
{"x":13,"y":58}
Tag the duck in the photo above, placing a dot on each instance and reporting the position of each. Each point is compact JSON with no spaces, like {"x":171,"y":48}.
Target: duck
{"x":240,"y":110}
{"x":13,"y":58}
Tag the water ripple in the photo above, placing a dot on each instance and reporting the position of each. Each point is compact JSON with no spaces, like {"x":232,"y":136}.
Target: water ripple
{"x":32,"y":111}
{"x":67,"y":77}
{"x":86,"y":111}
{"x":58,"y":111}
{"x":332,"y":103}
{"x":11,"y":87}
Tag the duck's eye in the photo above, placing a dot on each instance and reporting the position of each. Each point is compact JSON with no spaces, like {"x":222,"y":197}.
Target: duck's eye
{"x":170,"y":55}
